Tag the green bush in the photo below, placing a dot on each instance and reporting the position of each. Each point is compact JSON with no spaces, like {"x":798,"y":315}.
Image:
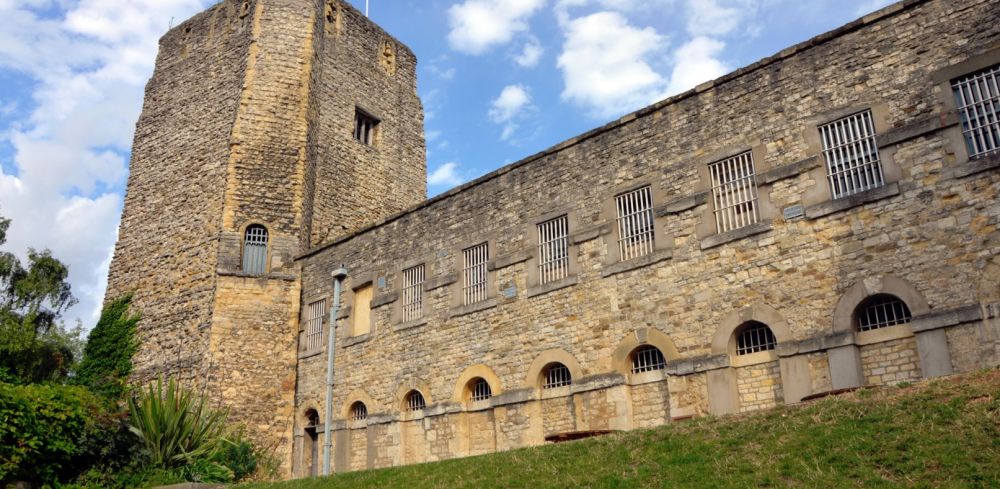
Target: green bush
{"x":239,"y":456}
{"x":50,"y":432}
{"x":107,"y":358}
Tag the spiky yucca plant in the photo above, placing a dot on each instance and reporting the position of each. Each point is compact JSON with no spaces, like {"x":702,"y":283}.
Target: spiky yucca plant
{"x":174,"y":425}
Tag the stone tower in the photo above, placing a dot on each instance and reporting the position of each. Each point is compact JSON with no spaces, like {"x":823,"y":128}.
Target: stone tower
{"x":296,"y":117}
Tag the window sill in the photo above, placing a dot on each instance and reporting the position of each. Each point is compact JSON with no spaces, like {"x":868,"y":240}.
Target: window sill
{"x":754,"y":358}
{"x":416,"y":323}
{"x":978,"y":165}
{"x":735,"y":234}
{"x":553,"y":286}
{"x":882,"y":335}
{"x":471,"y":308}
{"x":267,"y":276}
{"x":555,"y":392}
{"x":851,"y":201}
{"x":648,"y":377}
{"x":642,"y":261}
{"x":309,"y":354}
{"x":354,"y":340}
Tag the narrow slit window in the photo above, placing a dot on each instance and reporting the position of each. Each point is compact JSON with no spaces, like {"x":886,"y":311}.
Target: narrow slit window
{"x":557,"y":375}
{"x":851,"y":155}
{"x":755,"y":337}
{"x":635,"y":223}
{"x":314,"y":325}
{"x":413,"y":292}
{"x":882,"y":311}
{"x":734,"y":191}
{"x":474,"y":273}
{"x":364,"y":127}
{"x":977,"y":96}
{"x":359,"y":411}
{"x":480,"y":390}
{"x":553,"y":253}
{"x":647,"y":358}
{"x":255,"y":250}
{"x":415,"y":401}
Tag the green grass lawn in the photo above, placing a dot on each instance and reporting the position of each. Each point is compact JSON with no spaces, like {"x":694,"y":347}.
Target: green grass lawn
{"x":941,"y":433}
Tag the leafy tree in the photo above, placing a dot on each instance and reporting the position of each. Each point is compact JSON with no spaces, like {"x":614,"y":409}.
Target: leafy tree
{"x":107,"y":358}
{"x":33,"y":345}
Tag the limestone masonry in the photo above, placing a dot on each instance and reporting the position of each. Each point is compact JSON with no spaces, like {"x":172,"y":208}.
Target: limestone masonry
{"x":826,"y":218}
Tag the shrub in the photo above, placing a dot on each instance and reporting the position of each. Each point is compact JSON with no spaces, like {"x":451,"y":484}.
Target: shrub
{"x":107,"y":358}
{"x":50,"y":432}
{"x":239,"y":456}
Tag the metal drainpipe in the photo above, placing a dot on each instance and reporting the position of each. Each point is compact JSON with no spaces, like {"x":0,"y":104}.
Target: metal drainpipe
{"x":338,"y":278}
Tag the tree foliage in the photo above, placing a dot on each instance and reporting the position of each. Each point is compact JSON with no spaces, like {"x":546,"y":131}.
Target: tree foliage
{"x":107,"y":358}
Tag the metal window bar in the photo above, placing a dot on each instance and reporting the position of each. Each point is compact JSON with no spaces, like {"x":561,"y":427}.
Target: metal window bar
{"x":977,"y":96}
{"x":474,"y":273}
{"x":852,"y":159}
{"x":557,"y":375}
{"x":415,"y":401}
{"x":314,"y":325}
{"x":255,"y":250}
{"x":413,"y":292}
{"x":635,"y":223}
{"x":364,"y":127}
{"x":481,"y":390}
{"x":359,"y":411}
{"x":755,"y":337}
{"x":734,"y":191}
{"x":882,"y":311}
{"x":647,"y":358}
{"x":553,"y":253}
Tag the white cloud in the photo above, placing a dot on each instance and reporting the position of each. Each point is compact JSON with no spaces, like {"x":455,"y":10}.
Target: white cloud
{"x":530,"y":54}
{"x":88,"y":65}
{"x":446,"y":175}
{"x":605,"y":64}
{"x":509,"y":106}
{"x":478,"y":25}
{"x":695,"y":62}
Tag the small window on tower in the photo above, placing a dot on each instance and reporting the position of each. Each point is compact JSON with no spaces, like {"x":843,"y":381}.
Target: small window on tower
{"x":364,"y":127}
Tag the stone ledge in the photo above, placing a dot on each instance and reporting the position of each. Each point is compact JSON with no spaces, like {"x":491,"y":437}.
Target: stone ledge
{"x":267,"y":276}
{"x":516,"y":396}
{"x":945,"y":319}
{"x":553,"y":286}
{"x":596,"y":382}
{"x":978,"y":165}
{"x":442,"y":281}
{"x":815,"y":344}
{"x":471,"y":308}
{"x":416,"y":323}
{"x":736,"y":234}
{"x":511,"y":259}
{"x":916,"y":129}
{"x":309,"y":354}
{"x":354,"y":340}
{"x":687,"y":366}
{"x":788,"y":171}
{"x":844,"y":203}
{"x":384,"y":299}
{"x":682,"y":204}
{"x":589,"y":234}
{"x":642,"y":261}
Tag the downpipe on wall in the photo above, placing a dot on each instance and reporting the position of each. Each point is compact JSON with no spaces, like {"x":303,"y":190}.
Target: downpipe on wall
{"x":338,"y":279}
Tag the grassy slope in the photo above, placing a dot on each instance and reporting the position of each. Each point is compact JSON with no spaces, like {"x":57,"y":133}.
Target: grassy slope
{"x":943,"y":433}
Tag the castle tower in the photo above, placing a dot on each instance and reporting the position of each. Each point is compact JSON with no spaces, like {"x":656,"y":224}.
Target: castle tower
{"x":269,"y":126}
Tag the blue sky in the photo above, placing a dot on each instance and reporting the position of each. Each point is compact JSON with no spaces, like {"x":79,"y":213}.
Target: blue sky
{"x":499,"y":79}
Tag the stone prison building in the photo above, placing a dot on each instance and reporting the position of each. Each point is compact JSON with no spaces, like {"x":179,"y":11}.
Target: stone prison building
{"x":823,"y":219}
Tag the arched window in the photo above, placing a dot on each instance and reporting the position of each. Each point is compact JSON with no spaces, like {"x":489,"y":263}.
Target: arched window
{"x":882,"y":311}
{"x":359,"y":411}
{"x":415,"y":401}
{"x":753,"y":337}
{"x":556,"y":375}
{"x":255,"y":250}
{"x":312,"y":417}
{"x":479,"y":389}
{"x":647,"y":358}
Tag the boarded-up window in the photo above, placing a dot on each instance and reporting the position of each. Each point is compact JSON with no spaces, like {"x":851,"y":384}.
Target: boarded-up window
{"x":362,"y":310}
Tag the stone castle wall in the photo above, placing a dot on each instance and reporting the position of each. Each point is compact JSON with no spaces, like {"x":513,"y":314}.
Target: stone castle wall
{"x":929,"y":236}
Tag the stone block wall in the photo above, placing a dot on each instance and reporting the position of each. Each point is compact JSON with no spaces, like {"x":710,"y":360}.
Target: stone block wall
{"x":928,"y":236}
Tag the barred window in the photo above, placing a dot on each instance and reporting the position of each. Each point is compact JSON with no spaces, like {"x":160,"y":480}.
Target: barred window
{"x":364,"y":127}
{"x":978,"y":98}
{"x":553,"y":255}
{"x":852,"y":160}
{"x":413,"y":292}
{"x":359,"y":411}
{"x":647,"y":358}
{"x":754,"y":337}
{"x":479,"y":389}
{"x":314,"y":325}
{"x":556,"y":375}
{"x":882,"y":311}
{"x":255,"y":250}
{"x":474,"y":273}
{"x":415,"y":401}
{"x":635,"y":223}
{"x":734,"y":191}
